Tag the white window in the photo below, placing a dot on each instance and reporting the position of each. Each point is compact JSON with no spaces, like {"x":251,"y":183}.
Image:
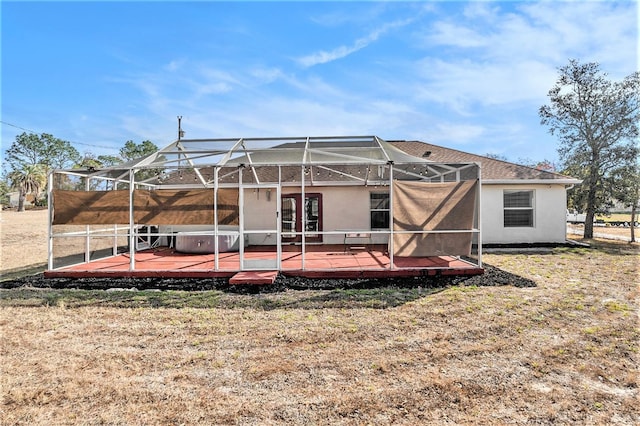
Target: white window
{"x":518,"y":208}
{"x":379,"y":208}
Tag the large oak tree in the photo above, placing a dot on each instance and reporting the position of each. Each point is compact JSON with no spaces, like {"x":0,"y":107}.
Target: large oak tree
{"x":596,"y":121}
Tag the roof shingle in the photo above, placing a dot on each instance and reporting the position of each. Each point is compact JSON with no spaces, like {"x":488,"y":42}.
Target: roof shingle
{"x":492,"y":169}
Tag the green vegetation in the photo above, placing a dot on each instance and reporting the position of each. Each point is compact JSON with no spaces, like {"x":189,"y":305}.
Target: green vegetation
{"x":596,"y":121}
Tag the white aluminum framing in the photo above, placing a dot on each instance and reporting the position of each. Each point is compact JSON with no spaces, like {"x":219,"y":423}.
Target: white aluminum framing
{"x":243,"y":157}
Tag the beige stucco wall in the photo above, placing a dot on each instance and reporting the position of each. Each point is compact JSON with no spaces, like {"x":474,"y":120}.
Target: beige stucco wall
{"x":347,"y":208}
{"x":550,"y":203}
{"x":344,"y":208}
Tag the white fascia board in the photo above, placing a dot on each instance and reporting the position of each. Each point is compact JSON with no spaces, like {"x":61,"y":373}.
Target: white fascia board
{"x":531,"y":181}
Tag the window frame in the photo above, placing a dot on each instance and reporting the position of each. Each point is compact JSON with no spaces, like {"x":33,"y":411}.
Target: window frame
{"x":373,"y":211}
{"x":517,"y":208}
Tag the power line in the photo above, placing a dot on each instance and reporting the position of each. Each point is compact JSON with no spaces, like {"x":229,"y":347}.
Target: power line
{"x":17,"y":127}
{"x":72,"y":142}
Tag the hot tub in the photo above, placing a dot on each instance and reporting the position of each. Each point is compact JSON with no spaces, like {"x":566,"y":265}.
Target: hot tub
{"x":204,"y":242}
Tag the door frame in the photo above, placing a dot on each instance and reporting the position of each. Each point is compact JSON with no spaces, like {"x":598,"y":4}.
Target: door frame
{"x":276,"y":230}
{"x":300,"y":216}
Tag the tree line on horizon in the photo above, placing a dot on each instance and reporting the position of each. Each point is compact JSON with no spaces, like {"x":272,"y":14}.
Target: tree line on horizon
{"x":32,"y":157}
{"x":595,"y":119}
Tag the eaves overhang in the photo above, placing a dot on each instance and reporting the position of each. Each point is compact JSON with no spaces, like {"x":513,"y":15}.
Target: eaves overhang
{"x":568,"y":181}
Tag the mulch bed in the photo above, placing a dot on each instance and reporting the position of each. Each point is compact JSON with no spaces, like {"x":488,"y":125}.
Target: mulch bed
{"x":492,"y":277}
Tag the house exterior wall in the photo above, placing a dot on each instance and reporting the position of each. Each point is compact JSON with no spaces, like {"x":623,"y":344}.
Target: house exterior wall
{"x":549,"y":202}
{"x":347,"y":208}
{"x":14,"y":199}
{"x":344,"y":208}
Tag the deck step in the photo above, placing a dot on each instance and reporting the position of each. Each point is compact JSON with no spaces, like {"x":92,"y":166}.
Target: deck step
{"x":254,"y":277}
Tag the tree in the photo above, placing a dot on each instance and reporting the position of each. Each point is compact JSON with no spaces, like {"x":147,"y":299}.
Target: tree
{"x":496,"y":156}
{"x":31,"y":179}
{"x":31,"y":157}
{"x":596,"y":121}
{"x":108,"y":160}
{"x":543,"y":165}
{"x":4,"y":192}
{"x":625,"y":187}
{"x":33,"y":149}
{"x":577,"y":196}
{"x":131,"y":150}
{"x":88,"y":161}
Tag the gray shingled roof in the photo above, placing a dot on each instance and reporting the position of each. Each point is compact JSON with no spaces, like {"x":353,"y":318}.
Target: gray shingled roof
{"x":492,"y":169}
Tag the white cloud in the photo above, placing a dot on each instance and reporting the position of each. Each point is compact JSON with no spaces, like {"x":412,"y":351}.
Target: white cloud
{"x":515,"y":59}
{"x":452,"y":34}
{"x":205,"y":81}
{"x":476,"y":69}
{"x":603,"y":32}
{"x":481,"y":10}
{"x":266,"y":75}
{"x":174,"y":65}
{"x":457,"y":133}
{"x":322,"y":57}
{"x":465,"y":86}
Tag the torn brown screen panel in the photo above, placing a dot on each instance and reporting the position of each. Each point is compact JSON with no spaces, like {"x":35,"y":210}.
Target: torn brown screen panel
{"x":185,"y":207}
{"x":419,"y":206}
{"x":90,"y":207}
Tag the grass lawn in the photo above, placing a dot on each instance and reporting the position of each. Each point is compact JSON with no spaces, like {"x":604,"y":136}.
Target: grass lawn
{"x":562,"y":352}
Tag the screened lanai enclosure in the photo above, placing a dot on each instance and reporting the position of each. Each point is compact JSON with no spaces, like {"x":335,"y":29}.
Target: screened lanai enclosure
{"x":311,"y":206}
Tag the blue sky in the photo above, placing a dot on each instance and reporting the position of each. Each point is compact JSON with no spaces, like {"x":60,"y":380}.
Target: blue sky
{"x":466,"y":75}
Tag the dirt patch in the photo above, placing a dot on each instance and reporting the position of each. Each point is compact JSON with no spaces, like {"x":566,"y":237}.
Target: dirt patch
{"x":23,"y":239}
{"x":619,"y":233}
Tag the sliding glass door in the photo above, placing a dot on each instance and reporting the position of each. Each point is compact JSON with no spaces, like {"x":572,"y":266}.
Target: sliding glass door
{"x":293,"y":212}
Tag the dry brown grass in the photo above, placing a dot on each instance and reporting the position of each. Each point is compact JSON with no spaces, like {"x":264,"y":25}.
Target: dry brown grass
{"x":611,"y":232}
{"x":564,"y":352}
{"x":24,"y":242}
{"x":23,"y":239}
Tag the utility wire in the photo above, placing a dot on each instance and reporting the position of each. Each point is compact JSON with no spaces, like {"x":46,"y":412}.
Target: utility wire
{"x":71,"y":142}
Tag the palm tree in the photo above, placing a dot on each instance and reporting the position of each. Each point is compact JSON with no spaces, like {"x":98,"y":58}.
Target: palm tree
{"x":30,"y":179}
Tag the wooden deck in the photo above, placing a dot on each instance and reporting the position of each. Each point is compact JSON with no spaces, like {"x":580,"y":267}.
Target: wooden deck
{"x":320,"y":261}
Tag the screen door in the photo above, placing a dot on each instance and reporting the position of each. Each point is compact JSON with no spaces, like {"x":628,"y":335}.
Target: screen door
{"x":261,"y":246}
